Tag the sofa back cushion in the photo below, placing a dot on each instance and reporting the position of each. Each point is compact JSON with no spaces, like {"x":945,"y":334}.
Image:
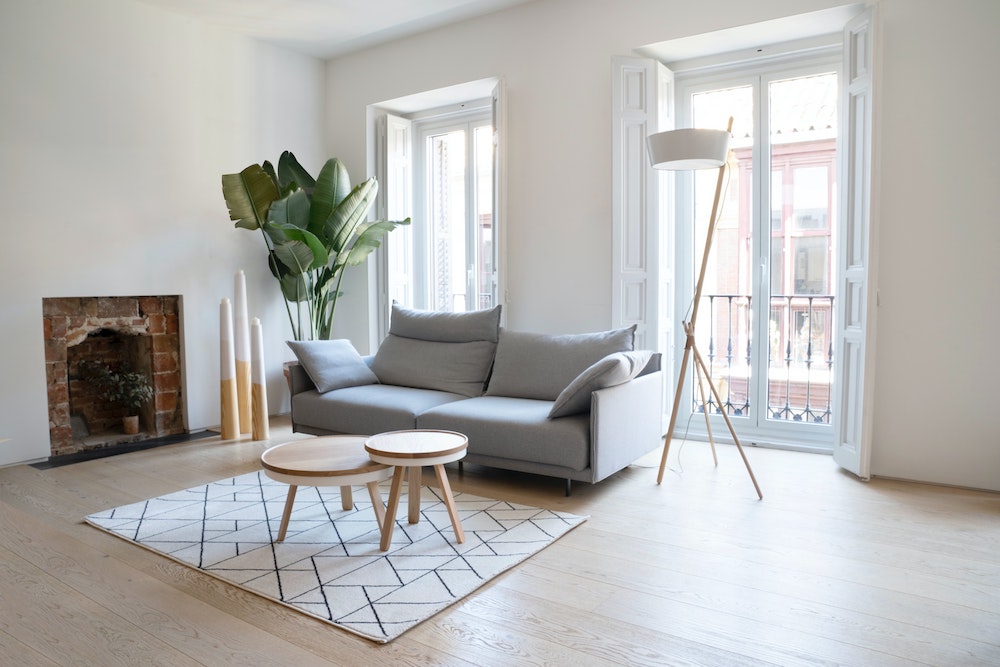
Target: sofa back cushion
{"x":540,"y":366}
{"x":445,"y":327}
{"x":449,"y":352}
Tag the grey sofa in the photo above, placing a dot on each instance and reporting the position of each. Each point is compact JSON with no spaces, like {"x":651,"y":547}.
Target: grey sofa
{"x":578,"y":407}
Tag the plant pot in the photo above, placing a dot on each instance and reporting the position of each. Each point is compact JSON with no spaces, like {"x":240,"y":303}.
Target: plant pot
{"x":130,"y":424}
{"x":288,"y":374}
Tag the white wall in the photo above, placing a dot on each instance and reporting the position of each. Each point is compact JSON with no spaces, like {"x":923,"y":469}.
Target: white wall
{"x":116,"y":123}
{"x":937,"y":352}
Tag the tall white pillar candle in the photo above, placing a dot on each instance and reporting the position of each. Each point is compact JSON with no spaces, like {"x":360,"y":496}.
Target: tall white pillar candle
{"x":242,"y":351}
{"x":258,"y":391}
{"x":227,"y":373}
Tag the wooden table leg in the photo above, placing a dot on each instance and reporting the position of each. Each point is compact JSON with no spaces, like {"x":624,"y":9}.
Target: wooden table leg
{"x":289,"y":501}
{"x":346,"y":498}
{"x":413,"y":490}
{"x":449,"y":502}
{"x":377,"y":504}
{"x":390,"y":513}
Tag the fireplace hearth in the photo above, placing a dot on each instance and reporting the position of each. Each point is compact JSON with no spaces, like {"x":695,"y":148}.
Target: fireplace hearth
{"x":141,"y":333}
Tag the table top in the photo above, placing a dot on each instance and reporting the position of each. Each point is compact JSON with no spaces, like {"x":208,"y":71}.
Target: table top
{"x":417,"y":444}
{"x":326,"y":456}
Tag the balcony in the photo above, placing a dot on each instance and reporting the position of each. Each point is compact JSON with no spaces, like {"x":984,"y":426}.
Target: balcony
{"x":800,"y":356}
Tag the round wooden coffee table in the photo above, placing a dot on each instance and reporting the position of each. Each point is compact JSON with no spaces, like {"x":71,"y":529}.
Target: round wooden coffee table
{"x":334,"y":460}
{"x":412,"y":450}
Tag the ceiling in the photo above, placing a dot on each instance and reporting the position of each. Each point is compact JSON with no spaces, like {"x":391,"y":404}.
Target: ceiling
{"x":330,"y":28}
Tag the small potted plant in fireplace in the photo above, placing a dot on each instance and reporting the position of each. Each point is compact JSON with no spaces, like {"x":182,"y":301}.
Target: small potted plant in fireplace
{"x":125,"y":387}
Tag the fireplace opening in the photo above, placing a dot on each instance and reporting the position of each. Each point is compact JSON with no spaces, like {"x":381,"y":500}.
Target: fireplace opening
{"x":95,"y":420}
{"x":137,"y":333}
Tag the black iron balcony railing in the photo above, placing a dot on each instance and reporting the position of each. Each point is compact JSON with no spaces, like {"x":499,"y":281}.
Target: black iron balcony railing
{"x":800,"y":355}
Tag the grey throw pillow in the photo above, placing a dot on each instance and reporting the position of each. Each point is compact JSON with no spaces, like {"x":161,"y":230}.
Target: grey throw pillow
{"x":612,"y":370}
{"x":332,"y":364}
{"x":540,"y":366}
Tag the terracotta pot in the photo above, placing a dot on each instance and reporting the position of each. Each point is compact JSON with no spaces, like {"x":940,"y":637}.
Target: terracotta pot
{"x":130,"y":424}
{"x":288,"y":374}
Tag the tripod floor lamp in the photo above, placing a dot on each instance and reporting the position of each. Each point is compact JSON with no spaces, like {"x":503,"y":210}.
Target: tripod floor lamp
{"x":681,"y":150}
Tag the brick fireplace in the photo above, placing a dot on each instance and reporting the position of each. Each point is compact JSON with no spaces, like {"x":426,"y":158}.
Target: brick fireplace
{"x":139,"y":332}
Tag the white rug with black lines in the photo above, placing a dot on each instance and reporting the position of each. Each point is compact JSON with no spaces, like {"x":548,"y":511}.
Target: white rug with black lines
{"x":330,"y":565}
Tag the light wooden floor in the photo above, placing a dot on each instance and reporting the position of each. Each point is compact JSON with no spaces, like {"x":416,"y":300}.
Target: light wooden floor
{"x":826,"y":570}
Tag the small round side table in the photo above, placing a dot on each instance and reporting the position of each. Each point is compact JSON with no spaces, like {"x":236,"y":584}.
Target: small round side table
{"x":334,"y":460}
{"x":413,"y":449}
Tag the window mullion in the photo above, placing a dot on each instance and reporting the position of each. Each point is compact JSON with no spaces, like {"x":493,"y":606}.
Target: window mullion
{"x":761,"y":224}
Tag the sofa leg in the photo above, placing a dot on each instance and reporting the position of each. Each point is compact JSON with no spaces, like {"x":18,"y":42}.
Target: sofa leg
{"x":569,"y":486}
{"x":461,"y":467}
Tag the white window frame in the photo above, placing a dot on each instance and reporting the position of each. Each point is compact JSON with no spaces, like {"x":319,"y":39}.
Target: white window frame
{"x":801,"y":436}
{"x":466,"y":120}
{"x":857,"y":270}
{"x":389,"y":160}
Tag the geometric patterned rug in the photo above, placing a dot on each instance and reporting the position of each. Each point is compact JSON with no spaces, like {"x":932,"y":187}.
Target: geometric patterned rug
{"x":330,"y":565}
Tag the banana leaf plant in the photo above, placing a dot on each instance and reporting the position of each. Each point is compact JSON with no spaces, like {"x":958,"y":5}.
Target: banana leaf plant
{"x":314,"y":228}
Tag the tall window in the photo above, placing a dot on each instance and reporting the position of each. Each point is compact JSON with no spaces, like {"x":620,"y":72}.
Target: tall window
{"x":455,"y":217}
{"x":768,"y":329}
{"x":446,"y":259}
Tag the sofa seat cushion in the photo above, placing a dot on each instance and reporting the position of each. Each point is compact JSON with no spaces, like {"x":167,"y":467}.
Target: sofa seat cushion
{"x":368,"y":409}
{"x":515,"y":428}
{"x":532,"y":365}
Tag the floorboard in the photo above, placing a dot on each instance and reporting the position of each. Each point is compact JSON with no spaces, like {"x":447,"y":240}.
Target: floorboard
{"x":825,"y":570}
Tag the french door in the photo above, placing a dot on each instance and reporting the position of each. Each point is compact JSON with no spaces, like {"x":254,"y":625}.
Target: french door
{"x":767,"y":317}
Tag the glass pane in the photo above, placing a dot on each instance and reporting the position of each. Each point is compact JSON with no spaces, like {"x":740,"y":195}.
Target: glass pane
{"x":803,"y":124}
{"x":810,"y":264}
{"x":724,"y":324}
{"x":777,"y":201}
{"x":811,"y":188}
{"x":446,"y":199}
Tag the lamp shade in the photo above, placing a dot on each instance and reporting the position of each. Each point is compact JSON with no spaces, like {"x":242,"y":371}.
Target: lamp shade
{"x":688,"y":149}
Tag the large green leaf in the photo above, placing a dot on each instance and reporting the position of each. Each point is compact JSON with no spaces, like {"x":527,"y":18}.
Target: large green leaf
{"x":296,"y":256}
{"x":349,"y":214}
{"x":290,"y":171}
{"x":291,"y":210}
{"x":294,"y":288}
{"x":369,"y":238}
{"x":332,"y":186}
{"x":319,"y":257}
{"x":249,"y":195}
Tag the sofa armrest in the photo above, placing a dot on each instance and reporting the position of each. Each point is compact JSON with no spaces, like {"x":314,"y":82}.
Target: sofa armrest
{"x":626,"y":421}
{"x":298,"y":379}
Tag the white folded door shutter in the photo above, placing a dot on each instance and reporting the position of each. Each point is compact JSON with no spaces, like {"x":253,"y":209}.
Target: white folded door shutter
{"x":855,"y":335}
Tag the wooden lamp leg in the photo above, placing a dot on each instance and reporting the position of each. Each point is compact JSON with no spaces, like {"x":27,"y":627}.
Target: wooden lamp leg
{"x":690,"y":347}
{"x":729,"y":424}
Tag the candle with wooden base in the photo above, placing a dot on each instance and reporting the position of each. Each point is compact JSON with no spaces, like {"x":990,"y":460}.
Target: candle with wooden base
{"x":242,"y":351}
{"x":227,"y":374}
{"x":261,"y":429}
